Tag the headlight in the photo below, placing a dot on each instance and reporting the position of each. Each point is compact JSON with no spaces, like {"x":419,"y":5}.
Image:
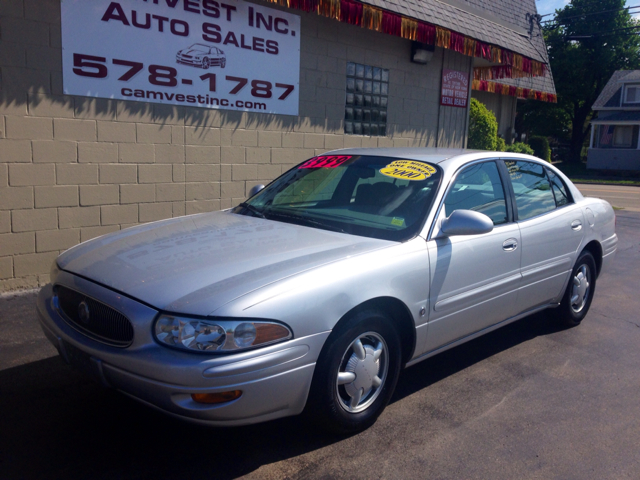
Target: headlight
{"x":212,"y":335}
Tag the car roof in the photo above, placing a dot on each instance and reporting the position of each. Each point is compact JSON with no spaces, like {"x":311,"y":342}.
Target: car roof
{"x":431,"y":155}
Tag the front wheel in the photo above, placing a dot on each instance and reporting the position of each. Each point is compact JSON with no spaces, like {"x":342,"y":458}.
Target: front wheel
{"x":579,"y":294}
{"x":206,"y":63}
{"x":356,"y":373}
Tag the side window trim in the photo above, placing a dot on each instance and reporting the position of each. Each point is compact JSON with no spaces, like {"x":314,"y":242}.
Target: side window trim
{"x":570,"y":200}
{"x":512,"y":211}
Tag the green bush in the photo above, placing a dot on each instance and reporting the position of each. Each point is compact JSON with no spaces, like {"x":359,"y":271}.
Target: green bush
{"x":540,"y":146}
{"x":483,"y":127}
{"x":500,"y":145}
{"x":519,"y":147}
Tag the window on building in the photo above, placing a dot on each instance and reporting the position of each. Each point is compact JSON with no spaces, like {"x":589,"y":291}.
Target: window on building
{"x":632,"y":94}
{"x":365,"y":110}
{"x":617,"y":136}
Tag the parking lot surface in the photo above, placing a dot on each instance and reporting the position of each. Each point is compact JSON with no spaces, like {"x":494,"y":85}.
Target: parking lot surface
{"x":528,"y":401}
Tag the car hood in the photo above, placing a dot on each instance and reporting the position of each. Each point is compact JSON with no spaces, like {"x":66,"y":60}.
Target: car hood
{"x":198,"y":263}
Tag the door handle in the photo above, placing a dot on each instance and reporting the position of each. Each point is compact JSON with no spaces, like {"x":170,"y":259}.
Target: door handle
{"x":510,"y":245}
{"x":576,"y":225}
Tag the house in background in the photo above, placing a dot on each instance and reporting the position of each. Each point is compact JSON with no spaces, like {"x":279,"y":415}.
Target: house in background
{"x":614,"y":141}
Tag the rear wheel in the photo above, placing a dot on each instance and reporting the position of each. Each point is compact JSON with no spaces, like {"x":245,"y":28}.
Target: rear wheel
{"x":223,"y":62}
{"x":205,"y":63}
{"x":579,"y":294}
{"x":356,"y":373}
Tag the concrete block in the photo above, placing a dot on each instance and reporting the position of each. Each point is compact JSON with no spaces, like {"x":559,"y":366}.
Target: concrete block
{"x":269,"y":172}
{"x":202,"y":206}
{"x":244,"y":138}
{"x":292,"y":140}
{"x":33,"y":263}
{"x":17,"y":81}
{"x":79,"y":217}
{"x":169,"y":153}
{"x":202,"y":173}
{"x":333,"y":142}
{"x":136,"y":112}
{"x":29,"y":174}
{"x":352,"y":141}
{"x":99,"y":195}
{"x":137,"y":193}
{"x":155,"y":173}
{"x":118,"y":214}
{"x":232,"y":189}
{"x":202,"y":191}
{"x":50,"y":240}
{"x":15,"y":151}
{"x":269,"y":139}
{"x":116,"y":132}
{"x":134,"y":153}
{"x":177,"y":135}
{"x":225,"y":173}
{"x":16,"y":243}
{"x":92,"y":232}
{"x":201,"y":136}
{"x":49,"y":151}
{"x":179,"y":173}
{"x":150,"y":212}
{"x":5,"y":221}
{"x":97,"y":152}
{"x":32,"y":220}
{"x":12,"y":8}
{"x":4,"y":175}
{"x":118,"y":174}
{"x":6,"y":269}
{"x":44,"y":11}
{"x":56,"y":196}
{"x":244,"y":172}
{"x":95,"y":108}
{"x":76,"y":174}
{"x":14,"y":198}
{"x":258,"y":155}
{"x":198,"y":154}
{"x":170,"y":192}
{"x":232,"y":155}
{"x":75,"y":130}
{"x":58,"y":106}
{"x":153,"y":133}
{"x":179,"y":208}
{"x":26,"y":31}
{"x":29,"y":128}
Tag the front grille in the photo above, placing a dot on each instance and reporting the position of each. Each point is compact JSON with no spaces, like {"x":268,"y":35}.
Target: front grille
{"x":103,"y":324}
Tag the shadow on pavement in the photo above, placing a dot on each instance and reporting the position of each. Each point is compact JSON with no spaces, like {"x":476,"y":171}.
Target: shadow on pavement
{"x":57,"y":424}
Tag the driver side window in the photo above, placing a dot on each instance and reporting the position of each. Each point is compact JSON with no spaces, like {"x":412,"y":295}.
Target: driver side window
{"x":478,"y":188}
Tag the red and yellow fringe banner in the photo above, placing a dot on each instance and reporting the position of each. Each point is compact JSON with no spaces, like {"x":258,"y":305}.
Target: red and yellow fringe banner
{"x":511,"y":64}
{"x":502,"y":89}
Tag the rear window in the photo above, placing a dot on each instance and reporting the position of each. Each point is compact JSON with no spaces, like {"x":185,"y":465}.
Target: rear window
{"x":379,"y":197}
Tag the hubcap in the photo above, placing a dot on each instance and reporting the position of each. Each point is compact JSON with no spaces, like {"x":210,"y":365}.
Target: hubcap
{"x":580,"y":290}
{"x":362,"y":372}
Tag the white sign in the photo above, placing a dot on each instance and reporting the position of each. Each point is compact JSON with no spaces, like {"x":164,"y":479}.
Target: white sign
{"x":204,"y":53}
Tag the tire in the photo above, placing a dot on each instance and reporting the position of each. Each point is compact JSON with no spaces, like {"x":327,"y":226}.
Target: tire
{"x":206,"y":63}
{"x":223,"y":62}
{"x":356,"y":373}
{"x":579,"y":294}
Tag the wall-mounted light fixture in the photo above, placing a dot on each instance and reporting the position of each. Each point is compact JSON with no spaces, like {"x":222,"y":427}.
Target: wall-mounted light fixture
{"x":421,"y":52}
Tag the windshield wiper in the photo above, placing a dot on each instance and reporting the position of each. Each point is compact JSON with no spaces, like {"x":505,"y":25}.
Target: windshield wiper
{"x":252,"y":209}
{"x":305,"y":221}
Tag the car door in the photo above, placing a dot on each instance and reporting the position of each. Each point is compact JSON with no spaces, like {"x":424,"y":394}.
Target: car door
{"x":551,"y":231}
{"x":474,"y":278}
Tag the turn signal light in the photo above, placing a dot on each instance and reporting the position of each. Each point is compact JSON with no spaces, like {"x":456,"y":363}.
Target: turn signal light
{"x":213,"y":398}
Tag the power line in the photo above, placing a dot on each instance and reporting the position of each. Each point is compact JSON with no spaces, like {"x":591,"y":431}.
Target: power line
{"x":561,"y":21}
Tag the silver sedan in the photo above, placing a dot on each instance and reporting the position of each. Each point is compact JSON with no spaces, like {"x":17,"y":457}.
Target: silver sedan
{"x":314,"y":293}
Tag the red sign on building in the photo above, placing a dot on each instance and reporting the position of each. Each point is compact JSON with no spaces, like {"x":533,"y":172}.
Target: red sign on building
{"x":455,"y":88}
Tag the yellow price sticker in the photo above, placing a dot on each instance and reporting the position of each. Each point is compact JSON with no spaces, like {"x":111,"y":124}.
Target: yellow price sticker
{"x":408,"y":170}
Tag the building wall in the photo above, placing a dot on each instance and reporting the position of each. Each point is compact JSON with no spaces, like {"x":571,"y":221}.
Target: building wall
{"x":73,"y":168}
{"x":503,"y":107}
{"x":613,"y":159}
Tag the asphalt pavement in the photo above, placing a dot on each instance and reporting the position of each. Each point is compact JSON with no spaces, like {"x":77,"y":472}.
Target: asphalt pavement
{"x":528,"y":401}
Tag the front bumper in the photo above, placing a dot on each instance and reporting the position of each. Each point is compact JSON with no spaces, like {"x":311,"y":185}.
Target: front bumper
{"x":274,"y":380}
{"x":189,"y":61}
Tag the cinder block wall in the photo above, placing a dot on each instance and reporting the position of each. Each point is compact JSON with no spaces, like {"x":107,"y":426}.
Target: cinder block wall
{"x":73,"y":168}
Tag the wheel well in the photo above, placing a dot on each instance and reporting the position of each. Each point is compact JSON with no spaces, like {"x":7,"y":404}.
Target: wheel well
{"x":596,"y":251}
{"x":399,"y":314}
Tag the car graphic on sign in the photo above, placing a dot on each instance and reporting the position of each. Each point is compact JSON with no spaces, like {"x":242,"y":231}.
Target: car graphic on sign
{"x":200,"y":55}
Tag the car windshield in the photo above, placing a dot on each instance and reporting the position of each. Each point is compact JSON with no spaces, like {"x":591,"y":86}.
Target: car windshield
{"x":199,"y":48}
{"x":371,"y":196}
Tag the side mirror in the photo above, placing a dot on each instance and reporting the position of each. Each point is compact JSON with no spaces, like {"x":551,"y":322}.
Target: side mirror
{"x":466,"y":222}
{"x":255,"y":189}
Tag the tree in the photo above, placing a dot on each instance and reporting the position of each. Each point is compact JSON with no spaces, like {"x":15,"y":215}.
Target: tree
{"x":588,"y":41}
{"x":483,"y":127}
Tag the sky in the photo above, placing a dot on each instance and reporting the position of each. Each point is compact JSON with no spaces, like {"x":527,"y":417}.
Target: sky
{"x":550,"y":6}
